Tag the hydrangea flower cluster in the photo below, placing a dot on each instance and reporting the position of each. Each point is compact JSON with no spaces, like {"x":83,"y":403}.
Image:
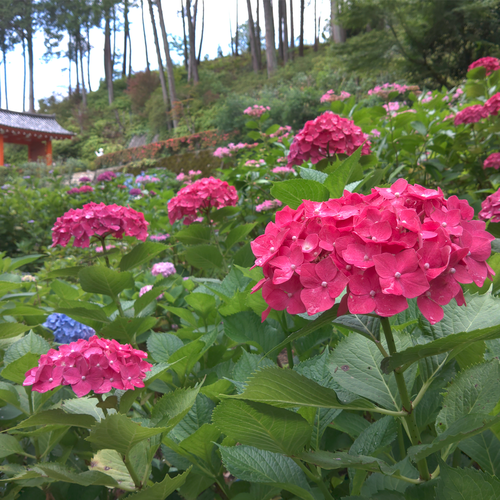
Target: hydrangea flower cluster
{"x":282,"y":133}
{"x":268,"y":205}
{"x":493,"y":161}
{"x":384,"y":90}
{"x":182,"y":177}
{"x":395,"y":244}
{"x":489,"y":63}
{"x":84,"y":179}
{"x":148,"y":288}
{"x":106,"y":177}
{"x":66,"y":329}
{"x":471,"y":114}
{"x":282,"y":170}
{"x":490,"y":208}
{"x":255,"y":163}
{"x":330,"y":96}
{"x":163,"y":268}
{"x":256,"y":111}
{"x":82,"y":189}
{"x":193,"y":200}
{"x":328,"y":134}
{"x":90,"y":365}
{"x":143,"y":179}
{"x":100,"y":220}
{"x":492,"y":105}
{"x":100,"y":249}
{"x":232,"y":148}
{"x":391,"y":108}
{"x":135,"y":192}
{"x":159,"y":237}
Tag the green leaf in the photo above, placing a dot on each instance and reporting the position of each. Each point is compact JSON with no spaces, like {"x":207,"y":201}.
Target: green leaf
{"x":29,"y":343}
{"x":263,"y":426}
{"x":61,"y":473}
{"x":293,"y":191}
{"x":419,"y":127}
{"x":22,"y":310}
{"x":247,"y":328}
{"x":475,"y":390}
{"x":16,"y":370}
{"x":110,"y":462}
{"x":339,"y":174}
{"x":202,"y":303}
{"x":22,"y":261}
{"x":361,"y":323}
{"x":65,"y":290}
{"x":204,"y":257}
{"x":260,"y":466}
{"x":173,"y":407}
{"x":194,"y":234}
{"x":484,"y":449}
{"x":288,"y":389}
{"x":144,"y":300}
{"x":342,"y":460}
{"x":199,"y":415}
{"x":239,"y":233}
{"x":118,"y":432}
{"x":141,"y":254}
{"x":463,"y":428}
{"x":64,"y":272}
{"x":376,"y":437}
{"x":128,"y":329}
{"x":9,"y":394}
{"x":100,"y":279}
{"x":355,"y":366}
{"x":183,"y":313}
{"x":464,"y":484}
{"x":312,"y":175}
{"x":201,"y":444}
{"x":6,"y":287}
{"x":186,"y":357}
{"x":57,"y":417}
{"x":85,"y":312}
{"x":9,"y":445}
{"x":160,"y":491}
{"x":9,"y":330}
{"x":162,"y":345}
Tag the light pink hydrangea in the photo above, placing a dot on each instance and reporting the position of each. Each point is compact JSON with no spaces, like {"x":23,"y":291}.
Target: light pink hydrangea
{"x":330,"y":96}
{"x":268,"y":205}
{"x":256,"y":110}
{"x":163,"y":268}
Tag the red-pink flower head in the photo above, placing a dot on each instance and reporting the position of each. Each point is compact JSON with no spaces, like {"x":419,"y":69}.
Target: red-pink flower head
{"x":493,"y":161}
{"x":96,"y":365}
{"x":490,"y":208}
{"x":492,"y":105}
{"x":194,"y":200}
{"x":98,"y":219}
{"x":489,"y":63}
{"x":397,"y":243}
{"x":472,"y":114}
{"x":327,"y":135}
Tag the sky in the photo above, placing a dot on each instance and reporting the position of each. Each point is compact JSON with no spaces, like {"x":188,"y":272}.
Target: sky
{"x":52,"y":77}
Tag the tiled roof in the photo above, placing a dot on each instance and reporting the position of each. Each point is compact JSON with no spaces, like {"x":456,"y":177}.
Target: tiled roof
{"x":46,"y":124}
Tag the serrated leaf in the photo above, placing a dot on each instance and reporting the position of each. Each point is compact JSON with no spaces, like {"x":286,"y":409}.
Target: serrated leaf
{"x":379,"y":435}
{"x":260,"y":466}
{"x":64,"y":272}
{"x":128,"y":329}
{"x":201,"y":444}
{"x":9,"y":445}
{"x":484,"y":449}
{"x":173,"y":407}
{"x":293,"y":191}
{"x":194,"y":234}
{"x":100,"y":279}
{"x":84,"y":406}
{"x":202,"y":303}
{"x":263,"y":426}
{"x":198,"y":415}
{"x":30,"y":343}
{"x":204,"y":257}
{"x":339,"y":174}
{"x":162,"y":345}
{"x":57,"y":417}
{"x":239,"y":233}
{"x":118,"y":432}
{"x":110,"y":462}
{"x":475,"y":390}
{"x":16,"y":370}
{"x":246,"y":328}
{"x":140,"y":254}
{"x":22,"y":261}
{"x":6,"y":287}
{"x":144,"y":300}
{"x":9,"y":394}
{"x":288,"y":389}
{"x":161,"y":490}
{"x":361,"y":323}
{"x":65,"y":290}
{"x":9,"y":330}
{"x":313,"y":175}
{"x":61,"y":473}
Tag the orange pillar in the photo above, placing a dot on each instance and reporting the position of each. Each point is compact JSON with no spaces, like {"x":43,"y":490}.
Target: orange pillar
{"x":48,"y":152}
{"x":1,"y":150}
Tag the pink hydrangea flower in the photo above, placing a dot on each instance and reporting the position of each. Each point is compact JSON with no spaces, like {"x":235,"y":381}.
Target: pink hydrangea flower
{"x":330,"y":96}
{"x":384,"y":90}
{"x":394,"y":244}
{"x":100,"y":220}
{"x":489,"y":63}
{"x":492,"y":105}
{"x":80,"y":190}
{"x":100,"y":249}
{"x":282,"y":133}
{"x":375,"y":132}
{"x":493,"y":161}
{"x":391,"y":108}
{"x":194,"y":200}
{"x":96,"y":365}
{"x":106,"y":177}
{"x":282,"y":170}
{"x":268,"y":205}
{"x":159,"y":237}
{"x":328,"y":134}
{"x":256,"y":111}
{"x":471,"y":114}
{"x":254,"y":163}
{"x":490,"y":208}
{"x":163,"y":268}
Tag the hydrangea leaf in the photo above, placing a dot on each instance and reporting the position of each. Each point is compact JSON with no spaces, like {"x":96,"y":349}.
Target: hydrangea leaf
{"x":100,"y":279}
{"x":484,"y":449}
{"x":141,"y":254}
{"x":204,"y":257}
{"x":161,"y":490}
{"x":292,"y":192}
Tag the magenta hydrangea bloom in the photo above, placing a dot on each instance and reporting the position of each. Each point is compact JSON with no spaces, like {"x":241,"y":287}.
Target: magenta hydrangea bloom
{"x":394,"y":244}
{"x":163,"y":268}
{"x":327,"y":135}
{"x":268,"y":205}
{"x":489,"y":63}
{"x":490,"y":208}
{"x":471,"y":114}
{"x":492,"y":105}
{"x":106,"y":177}
{"x":493,"y":161}
{"x":330,"y":96}
{"x":256,"y":111}
{"x":96,"y":365}
{"x":193,"y":200}
{"x":100,"y":220}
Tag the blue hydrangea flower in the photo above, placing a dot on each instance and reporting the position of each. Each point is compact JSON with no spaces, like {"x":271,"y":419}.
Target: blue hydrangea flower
{"x":66,"y":329}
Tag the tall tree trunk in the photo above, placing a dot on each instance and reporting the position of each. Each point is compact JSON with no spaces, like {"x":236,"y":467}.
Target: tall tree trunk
{"x":286,"y":55}
{"x":236,"y":35}
{"x":76,"y":68}
{"x":193,"y":67}
{"x":129,"y":55}
{"x":253,"y":40}
{"x":144,"y":33}
{"x":338,"y":33}
{"x":84,"y":91}
{"x":125,"y":37}
{"x":113,"y":59}
{"x":272,"y":62}
{"x":5,"y":81}
{"x":257,"y":34}
{"x":292,"y":36}
{"x":301,"y":36}
{"x":108,"y":64}
{"x":24,"y":74}
{"x":170,"y":66}
{"x":31,"y":63}
{"x":202,"y":31}
{"x":88,"y":57}
{"x":280,"y":30}
{"x":315,"y":28}
{"x":231,"y":36}
{"x":186,"y":65}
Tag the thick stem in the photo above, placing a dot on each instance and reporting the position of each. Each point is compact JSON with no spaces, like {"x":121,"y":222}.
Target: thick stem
{"x":103,"y":241}
{"x":317,"y":479}
{"x":411,"y":424}
{"x":289,"y":353}
{"x":133,"y":473}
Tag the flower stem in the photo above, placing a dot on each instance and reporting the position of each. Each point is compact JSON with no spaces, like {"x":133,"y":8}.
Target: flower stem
{"x":133,"y":473}
{"x":103,"y":241}
{"x":316,"y":478}
{"x":411,"y":424}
